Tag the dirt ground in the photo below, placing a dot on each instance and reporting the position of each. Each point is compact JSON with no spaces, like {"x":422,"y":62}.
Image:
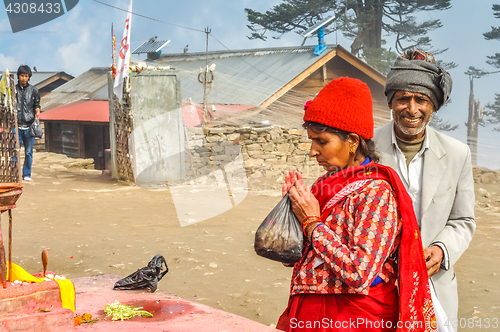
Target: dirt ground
{"x":96,"y":225}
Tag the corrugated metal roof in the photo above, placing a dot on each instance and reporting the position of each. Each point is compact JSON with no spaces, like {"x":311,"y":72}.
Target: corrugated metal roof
{"x":40,"y":76}
{"x":241,"y":77}
{"x":91,"y":85}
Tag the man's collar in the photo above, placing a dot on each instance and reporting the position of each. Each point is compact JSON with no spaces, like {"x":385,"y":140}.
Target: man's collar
{"x":425,"y":143}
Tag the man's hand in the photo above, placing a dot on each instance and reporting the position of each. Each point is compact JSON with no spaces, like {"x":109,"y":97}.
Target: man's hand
{"x":37,"y":113}
{"x":433,"y":258}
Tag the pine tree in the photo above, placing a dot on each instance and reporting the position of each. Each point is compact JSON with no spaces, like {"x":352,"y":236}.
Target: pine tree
{"x":363,"y":21}
{"x":494,"y":109}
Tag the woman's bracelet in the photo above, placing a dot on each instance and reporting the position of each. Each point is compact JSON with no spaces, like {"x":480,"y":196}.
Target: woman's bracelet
{"x":316,"y":226}
{"x":309,"y":220}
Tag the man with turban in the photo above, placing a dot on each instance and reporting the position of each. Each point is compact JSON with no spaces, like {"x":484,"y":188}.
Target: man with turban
{"x":435,"y":168}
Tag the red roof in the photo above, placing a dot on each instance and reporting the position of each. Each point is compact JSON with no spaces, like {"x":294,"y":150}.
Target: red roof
{"x":192,"y":113}
{"x":98,"y":111}
{"x":81,"y":110}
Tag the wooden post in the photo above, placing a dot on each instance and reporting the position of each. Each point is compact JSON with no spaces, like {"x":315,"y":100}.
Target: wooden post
{"x":81,"y":141}
{"x":48,"y":135}
{"x":324,"y":74}
{"x":12,"y":104}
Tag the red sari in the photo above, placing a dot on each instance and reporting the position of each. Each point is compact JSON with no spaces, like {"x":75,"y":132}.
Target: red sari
{"x":411,"y":311}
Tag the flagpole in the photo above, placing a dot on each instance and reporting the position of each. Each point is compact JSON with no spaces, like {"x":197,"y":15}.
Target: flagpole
{"x":123,"y":61}
{"x":113,"y":52}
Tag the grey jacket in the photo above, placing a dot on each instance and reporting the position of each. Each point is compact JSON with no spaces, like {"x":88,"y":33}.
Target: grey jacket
{"x":28,"y":100}
{"x":447,"y":208}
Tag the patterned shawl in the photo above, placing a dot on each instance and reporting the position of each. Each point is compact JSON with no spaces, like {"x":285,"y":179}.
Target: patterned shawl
{"x":415,"y":303}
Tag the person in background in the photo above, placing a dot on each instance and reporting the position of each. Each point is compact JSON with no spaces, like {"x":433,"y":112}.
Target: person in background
{"x":435,"y":169}
{"x":28,"y":109}
{"x":362,"y":267}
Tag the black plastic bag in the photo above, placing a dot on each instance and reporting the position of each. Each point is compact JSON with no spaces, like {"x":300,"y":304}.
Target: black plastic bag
{"x":279,"y":237}
{"x":36,"y":129}
{"x":147,"y":277}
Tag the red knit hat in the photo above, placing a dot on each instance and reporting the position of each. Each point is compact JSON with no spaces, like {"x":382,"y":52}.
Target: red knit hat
{"x":346,"y":104}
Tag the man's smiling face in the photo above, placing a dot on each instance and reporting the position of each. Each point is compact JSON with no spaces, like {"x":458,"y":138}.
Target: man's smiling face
{"x":412,"y":111}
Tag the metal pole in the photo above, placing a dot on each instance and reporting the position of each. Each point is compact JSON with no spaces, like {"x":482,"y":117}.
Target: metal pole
{"x":10,"y":245}
{"x":205,"y":111}
{"x":3,"y":267}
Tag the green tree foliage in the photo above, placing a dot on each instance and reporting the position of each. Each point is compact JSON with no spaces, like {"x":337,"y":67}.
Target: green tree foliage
{"x":363,"y":21}
{"x":441,"y":125}
{"x":493,"y":112}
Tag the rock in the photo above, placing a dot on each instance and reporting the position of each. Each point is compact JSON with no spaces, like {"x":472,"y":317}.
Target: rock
{"x":268,"y":147}
{"x":232,"y":137}
{"x":225,"y":130}
{"x":254,"y":147}
{"x":216,"y":138}
{"x":296,"y":159}
{"x":274,"y":135}
{"x":283,"y":147}
{"x":273,"y":173}
{"x":483,"y":193}
{"x":256,"y":174}
{"x":232,"y":149}
{"x":262,"y":129}
{"x":251,"y":162}
{"x":488,"y":177}
{"x":301,"y":152}
{"x":254,"y":154}
{"x":304,"y":146}
{"x":295,"y":132}
{"x":261,"y":139}
{"x":217,"y":148}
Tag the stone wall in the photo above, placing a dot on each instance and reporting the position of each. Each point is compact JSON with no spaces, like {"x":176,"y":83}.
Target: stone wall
{"x":266,"y":152}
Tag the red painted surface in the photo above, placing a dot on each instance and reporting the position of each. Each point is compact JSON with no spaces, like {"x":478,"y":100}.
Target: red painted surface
{"x":81,"y":110}
{"x":54,"y":320}
{"x":34,"y":307}
{"x":170,"y":313}
{"x":192,"y":113}
{"x":98,"y":111}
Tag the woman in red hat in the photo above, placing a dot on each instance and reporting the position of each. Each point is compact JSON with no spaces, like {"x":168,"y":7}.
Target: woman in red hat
{"x":362,"y":267}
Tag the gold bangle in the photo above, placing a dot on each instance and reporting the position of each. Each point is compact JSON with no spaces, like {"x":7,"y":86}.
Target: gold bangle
{"x":309,"y":217}
{"x":309,"y":220}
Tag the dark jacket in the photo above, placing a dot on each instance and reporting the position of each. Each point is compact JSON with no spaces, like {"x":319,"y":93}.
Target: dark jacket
{"x":28,"y":100}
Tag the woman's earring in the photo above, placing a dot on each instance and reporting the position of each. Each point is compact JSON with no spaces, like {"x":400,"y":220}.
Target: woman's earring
{"x":353,"y":150}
